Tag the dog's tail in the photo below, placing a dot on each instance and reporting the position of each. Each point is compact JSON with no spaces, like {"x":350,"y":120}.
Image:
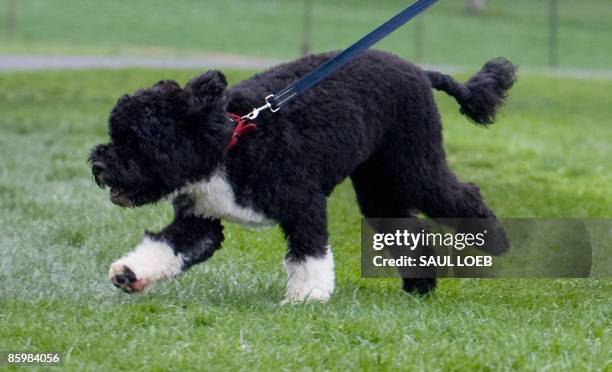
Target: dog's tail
{"x":482,"y":95}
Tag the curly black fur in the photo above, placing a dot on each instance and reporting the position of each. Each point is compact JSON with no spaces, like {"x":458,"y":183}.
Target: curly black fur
{"x":374,"y":121}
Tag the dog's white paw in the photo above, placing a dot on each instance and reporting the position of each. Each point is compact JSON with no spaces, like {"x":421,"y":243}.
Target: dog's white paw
{"x":149,"y":262}
{"x":311,"y":279}
{"x":124,"y":278}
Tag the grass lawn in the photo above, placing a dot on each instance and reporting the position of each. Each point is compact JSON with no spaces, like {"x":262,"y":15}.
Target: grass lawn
{"x":548,"y":156}
{"x":516,"y":29}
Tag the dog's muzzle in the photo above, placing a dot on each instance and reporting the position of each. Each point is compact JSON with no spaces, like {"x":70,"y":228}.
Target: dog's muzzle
{"x":117,"y":195}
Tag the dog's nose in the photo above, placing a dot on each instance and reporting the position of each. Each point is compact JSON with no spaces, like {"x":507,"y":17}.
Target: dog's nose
{"x":98,"y":167}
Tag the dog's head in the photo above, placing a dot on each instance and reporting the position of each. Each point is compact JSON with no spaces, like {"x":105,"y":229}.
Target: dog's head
{"x":162,"y":138}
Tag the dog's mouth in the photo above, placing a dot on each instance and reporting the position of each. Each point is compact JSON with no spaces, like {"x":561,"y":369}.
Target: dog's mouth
{"x":123,"y":193}
{"x":120,"y":197}
{"x":116,"y":192}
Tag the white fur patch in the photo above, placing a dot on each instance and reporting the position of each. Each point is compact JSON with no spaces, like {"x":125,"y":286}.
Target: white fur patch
{"x":150,"y":261}
{"x":215,"y":198}
{"x":311,"y":279}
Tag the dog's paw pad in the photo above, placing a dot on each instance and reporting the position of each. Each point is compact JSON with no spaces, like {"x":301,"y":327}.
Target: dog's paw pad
{"x":124,"y":278}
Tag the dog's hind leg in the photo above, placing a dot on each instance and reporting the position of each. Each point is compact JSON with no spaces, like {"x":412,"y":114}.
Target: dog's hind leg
{"x":413,"y":163}
{"x":309,"y":261}
{"x":444,"y":196}
{"x":422,"y":176}
{"x":381,"y":197}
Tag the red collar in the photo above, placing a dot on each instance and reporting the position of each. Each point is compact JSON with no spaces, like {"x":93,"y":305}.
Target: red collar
{"x":242,"y":127}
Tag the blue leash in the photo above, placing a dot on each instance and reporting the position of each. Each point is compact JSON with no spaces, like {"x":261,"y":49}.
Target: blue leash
{"x":275,"y":101}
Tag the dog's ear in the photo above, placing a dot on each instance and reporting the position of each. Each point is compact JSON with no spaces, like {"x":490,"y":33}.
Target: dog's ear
{"x":166,"y":85}
{"x":205,"y":92}
{"x":169,"y":96}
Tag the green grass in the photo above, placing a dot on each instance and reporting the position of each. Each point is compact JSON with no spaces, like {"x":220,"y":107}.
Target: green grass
{"x":517,"y":29}
{"x":548,"y":156}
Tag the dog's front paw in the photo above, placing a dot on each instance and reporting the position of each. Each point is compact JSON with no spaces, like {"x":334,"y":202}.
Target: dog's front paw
{"x":150,"y":261}
{"x":124,"y":278}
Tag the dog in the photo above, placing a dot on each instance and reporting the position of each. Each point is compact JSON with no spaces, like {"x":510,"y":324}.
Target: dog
{"x":375,"y":121}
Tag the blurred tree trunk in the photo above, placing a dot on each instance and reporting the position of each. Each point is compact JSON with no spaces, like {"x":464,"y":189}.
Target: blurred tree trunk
{"x":11,"y":17}
{"x":476,"y":6}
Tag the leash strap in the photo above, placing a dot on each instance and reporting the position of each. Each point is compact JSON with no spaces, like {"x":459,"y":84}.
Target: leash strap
{"x":275,"y":101}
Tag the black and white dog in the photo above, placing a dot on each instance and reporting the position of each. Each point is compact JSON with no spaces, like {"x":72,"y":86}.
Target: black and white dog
{"x":374,"y":121}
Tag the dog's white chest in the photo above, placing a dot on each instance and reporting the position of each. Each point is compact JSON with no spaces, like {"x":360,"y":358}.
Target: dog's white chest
{"x":215,"y":198}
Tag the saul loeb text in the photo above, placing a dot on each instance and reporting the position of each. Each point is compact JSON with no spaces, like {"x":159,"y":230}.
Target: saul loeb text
{"x":434,"y":261}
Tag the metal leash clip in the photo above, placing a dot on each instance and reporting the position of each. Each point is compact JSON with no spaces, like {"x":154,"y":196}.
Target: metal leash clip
{"x":253,"y":114}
